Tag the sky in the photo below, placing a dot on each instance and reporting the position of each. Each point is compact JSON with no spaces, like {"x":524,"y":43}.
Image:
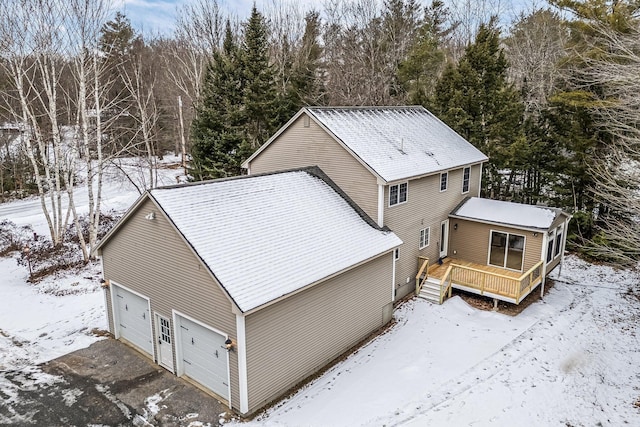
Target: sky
{"x":159,"y":15}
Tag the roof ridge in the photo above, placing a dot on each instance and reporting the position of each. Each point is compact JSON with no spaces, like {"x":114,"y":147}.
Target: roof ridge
{"x":230,"y":178}
{"x":366,"y":107}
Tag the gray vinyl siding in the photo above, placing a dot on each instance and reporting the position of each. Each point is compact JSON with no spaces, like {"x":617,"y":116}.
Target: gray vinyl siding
{"x":292,"y":339}
{"x":150,"y":257}
{"x":471,"y":242}
{"x":300,"y":146}
{"x":426,"y":206}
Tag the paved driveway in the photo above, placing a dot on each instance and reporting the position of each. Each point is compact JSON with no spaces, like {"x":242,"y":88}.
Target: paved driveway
{"x":106,"y":384}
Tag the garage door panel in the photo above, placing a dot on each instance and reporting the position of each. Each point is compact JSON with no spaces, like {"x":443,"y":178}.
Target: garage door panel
{"x":134,"y":323}
{"x":204,"y":356}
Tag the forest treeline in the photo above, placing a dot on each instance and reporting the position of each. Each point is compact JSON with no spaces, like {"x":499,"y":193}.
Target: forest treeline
{"x":550,"y":95}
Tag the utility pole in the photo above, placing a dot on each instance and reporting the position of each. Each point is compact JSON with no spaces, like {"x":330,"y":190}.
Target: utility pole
{"x":182,"y":139}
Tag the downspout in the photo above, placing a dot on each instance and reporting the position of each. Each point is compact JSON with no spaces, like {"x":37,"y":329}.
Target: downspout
{"x":393,"y":275}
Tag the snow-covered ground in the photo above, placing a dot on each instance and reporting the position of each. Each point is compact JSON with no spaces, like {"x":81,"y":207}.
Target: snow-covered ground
{"x":572,"y":359}
{"x":56,"y":316}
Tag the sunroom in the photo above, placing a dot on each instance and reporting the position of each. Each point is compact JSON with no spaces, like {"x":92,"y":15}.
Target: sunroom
{"x":498,"y":249}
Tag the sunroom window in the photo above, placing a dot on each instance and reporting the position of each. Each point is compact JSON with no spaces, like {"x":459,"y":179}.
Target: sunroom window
{"x":506,"y":250}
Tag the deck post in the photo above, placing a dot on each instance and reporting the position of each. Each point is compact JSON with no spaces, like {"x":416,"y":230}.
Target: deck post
{"x":495,"y":304}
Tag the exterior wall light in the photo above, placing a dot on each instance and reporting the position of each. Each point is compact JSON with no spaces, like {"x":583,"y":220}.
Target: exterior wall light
{"x":104,"y":283}
{"x":455,"y":226}
{"x":229,"y":344}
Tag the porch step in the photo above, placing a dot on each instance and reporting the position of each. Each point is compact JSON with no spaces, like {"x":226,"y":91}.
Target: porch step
{"x":431,"y":291}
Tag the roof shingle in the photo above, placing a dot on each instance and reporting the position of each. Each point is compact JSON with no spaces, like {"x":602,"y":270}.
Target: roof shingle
{"x":398,"y":142}
{"x":266,"y":236}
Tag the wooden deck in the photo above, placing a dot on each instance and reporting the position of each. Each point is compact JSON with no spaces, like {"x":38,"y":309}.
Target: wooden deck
{"x":438,"y":271}
{"x":494,"y":282}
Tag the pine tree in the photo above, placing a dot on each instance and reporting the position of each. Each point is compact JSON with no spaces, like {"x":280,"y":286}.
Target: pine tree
{"x":218,"y":128}
{"x":585,"y":118}
{"x":260,"y":96}
{"x":475,"y":99}
{"x":425,"y":59}
{"x":118,"y":43}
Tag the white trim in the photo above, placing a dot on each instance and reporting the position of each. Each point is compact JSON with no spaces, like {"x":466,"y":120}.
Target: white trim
{"x":116,"y":320}
{"x":241,"y":349}
{"x":248,"y":170}
{"x":559,"y":228}
{"x":544,"y":263}
{"x":446,"y":187}
{"x":393,"y":275}
{"x":499,"y":224}
{"x":551,"y":233}
{"x":480,"y":180}
{"x":506,"y":250}
{"x":107,"y":291}
{"x":428,"y":238}
{"x":381,"y":204}
{"x":406,"y":196}
{"x":179,"y":356}
{"x":469,"y":180}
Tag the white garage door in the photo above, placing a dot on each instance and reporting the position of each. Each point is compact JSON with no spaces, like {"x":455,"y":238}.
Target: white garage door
{"x":204,"y":356}
{"x":132,"y":318}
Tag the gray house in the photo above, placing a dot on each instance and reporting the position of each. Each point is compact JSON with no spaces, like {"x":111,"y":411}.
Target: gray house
{"x":246,"y":286}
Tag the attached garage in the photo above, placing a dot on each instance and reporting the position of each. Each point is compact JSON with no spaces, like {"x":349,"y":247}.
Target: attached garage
{"x":252,"y":260}
{"x":202,"y":355}
{"x":132,"y":318}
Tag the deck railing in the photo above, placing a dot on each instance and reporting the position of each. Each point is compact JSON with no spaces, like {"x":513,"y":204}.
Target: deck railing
{"x":490,"y":282}
{"x":423,"y":268}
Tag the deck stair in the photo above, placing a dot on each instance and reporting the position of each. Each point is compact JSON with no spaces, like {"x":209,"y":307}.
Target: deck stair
{"x":430,"y":290}
{"x":427,"y":286}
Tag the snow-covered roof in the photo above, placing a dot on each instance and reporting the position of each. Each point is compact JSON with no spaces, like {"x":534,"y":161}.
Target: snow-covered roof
{"x":266,"y":236}
{"x":507,"y":213}
{"x":398,"y":142}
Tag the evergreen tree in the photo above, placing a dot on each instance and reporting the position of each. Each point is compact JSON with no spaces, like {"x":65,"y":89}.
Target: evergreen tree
{"x":475,"y":99}
{"x":218,"y":128}
{"x":260,"y":96}
{"x":426,"y":58}
{"x":118,"y":44}
{"x":582,"y":120}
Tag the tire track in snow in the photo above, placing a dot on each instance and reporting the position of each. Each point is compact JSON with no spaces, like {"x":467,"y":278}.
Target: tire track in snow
{"x":506,"y":357}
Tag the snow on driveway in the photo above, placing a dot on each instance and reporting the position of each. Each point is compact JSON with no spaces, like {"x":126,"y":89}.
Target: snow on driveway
{"x":571,"y":359}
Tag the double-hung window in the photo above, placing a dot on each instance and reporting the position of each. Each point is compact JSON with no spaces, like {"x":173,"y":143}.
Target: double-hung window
{"x":397,"y":194}
{"x":424,"y":237}
{"x":444,"y":180}
{"x":466,"y":175}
